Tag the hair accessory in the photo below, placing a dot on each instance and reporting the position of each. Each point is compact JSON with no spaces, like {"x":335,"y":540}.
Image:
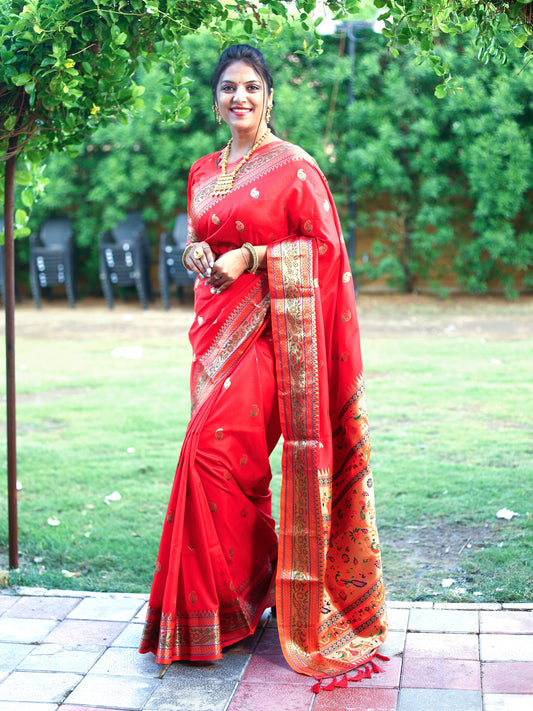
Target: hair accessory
{"x":255,"y":258}
{"x":225,"y":180}
{"x":218,"y":115}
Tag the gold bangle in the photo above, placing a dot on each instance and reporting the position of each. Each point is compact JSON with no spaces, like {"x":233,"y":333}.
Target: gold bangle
{"x":255,"y":258}
{"x":186,"y":254}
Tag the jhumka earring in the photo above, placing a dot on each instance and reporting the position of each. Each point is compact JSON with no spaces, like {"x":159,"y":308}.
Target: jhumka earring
{"x":269,"y":111}
{"x":218,"y":115}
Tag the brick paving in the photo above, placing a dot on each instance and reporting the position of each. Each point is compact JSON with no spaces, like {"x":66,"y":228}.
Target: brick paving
{"x":77,"y":651}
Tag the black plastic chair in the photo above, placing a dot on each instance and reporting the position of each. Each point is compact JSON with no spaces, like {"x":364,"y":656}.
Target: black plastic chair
{"x":52,"y":259}
{"x":124,"y":254}
{"x":171,"y":269}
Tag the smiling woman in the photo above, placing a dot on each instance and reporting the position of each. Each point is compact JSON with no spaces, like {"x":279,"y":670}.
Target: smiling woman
{"x":276,"y":353}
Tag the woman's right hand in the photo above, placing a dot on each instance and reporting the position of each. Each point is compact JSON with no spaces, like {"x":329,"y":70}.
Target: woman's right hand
{"x":202,"y":263}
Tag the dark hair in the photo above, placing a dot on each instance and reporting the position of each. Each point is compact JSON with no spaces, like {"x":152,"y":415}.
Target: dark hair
{"x":243,"y":53}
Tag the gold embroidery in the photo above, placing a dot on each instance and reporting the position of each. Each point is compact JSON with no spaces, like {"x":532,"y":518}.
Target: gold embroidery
{"x":347,"y":315}
{"x":254,"y":192}
{"x":346,"y":277}
{"x":308,"y":226}
{"x":323,"y":249}
{"x":239,"y":225}
{"x":302,"y":174}
{"x":219,"y":433}
{"x":215,"y":219}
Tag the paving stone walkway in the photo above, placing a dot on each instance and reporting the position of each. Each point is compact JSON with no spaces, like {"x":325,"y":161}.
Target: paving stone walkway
{"x":77,"y":651}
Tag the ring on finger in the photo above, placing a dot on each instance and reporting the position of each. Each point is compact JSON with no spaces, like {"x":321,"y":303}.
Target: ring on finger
{"x":198,"y":253}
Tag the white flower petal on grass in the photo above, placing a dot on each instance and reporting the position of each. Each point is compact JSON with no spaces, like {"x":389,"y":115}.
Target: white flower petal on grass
{"x":132,"y":352}
{"x":459,"y":591}
{"x":130,"y":450}
{"x":115,"y":496}
{"x":53,"y":521}
{"x":506,"y":514}
{"x":447,"y":582}
{"x":68,"y":574}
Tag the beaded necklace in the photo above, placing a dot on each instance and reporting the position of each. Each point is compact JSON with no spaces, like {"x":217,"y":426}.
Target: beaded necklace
{"x":225,"y":180}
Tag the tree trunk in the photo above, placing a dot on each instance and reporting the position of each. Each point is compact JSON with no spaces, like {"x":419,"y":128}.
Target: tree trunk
{"x":9,"y":228}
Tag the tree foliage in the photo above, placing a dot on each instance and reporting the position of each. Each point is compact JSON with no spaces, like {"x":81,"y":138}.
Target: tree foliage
{"x":494,"y":27}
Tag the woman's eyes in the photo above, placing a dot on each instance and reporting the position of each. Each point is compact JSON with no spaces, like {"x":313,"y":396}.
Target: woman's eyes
{"x":251,"y":87}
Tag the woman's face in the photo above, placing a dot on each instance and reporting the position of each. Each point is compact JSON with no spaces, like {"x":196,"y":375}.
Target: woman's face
{"x":242,"y":98}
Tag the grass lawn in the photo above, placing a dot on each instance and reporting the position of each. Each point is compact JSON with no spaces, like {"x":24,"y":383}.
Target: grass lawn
{"x":452,"y":426}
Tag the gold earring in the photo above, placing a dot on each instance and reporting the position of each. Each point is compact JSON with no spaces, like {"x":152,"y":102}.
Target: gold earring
{"x":218,"y":115}
{"x":269,"y":111}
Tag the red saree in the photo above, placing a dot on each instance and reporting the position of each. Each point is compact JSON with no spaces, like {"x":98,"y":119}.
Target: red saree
{"x":277,"y":352}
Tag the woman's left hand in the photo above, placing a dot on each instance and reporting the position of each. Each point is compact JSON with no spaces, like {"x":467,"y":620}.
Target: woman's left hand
{"x":227,"y":268}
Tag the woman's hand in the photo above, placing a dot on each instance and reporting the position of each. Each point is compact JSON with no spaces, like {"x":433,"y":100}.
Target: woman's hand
{"x":200,"y":259}
{"x":227,"y":268}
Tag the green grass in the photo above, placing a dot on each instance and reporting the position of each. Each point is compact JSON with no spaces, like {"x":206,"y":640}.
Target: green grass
{"x":451,"y":423}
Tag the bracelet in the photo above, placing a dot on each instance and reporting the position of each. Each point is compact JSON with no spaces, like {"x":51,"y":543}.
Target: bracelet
{"x":186,"y":254}
{"x":255,"y":258}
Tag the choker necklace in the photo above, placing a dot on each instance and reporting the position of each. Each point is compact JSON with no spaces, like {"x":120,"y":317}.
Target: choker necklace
{"x":225,"y":180}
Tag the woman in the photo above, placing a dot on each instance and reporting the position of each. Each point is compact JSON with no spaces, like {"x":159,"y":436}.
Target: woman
{"x":275,"y":352}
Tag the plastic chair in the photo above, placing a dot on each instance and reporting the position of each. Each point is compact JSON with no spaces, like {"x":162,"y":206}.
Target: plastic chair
{"x":124,"y":254}
{"x":171,"y":269}
{"x":52,"y":259}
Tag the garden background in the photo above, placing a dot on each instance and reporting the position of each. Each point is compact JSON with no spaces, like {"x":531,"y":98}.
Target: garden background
{"x":442,"y":188}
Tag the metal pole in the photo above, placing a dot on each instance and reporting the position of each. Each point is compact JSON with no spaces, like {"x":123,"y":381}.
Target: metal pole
{"x":352,"y":38}
{"x":10,"y":353}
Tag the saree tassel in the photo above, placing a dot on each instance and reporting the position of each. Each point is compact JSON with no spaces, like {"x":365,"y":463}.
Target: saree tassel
{"x":375,"y":668}
{"x":331,"y":686}
{"x":357,"y":677}
{"x":316,"y":687}
{"x":367,"y":674}
{"x":382,"y":657}
{"x":342,"y":683}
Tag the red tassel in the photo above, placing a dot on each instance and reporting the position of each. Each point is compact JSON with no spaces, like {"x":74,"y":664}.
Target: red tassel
{"x":375,"y":668}
{"x":357,"y":677}
{"x":343,"y":683}
{"x":330,"y":686}
{"x":382,"y":657}
{"x":367,"y":673}
{"x":316,"y":687}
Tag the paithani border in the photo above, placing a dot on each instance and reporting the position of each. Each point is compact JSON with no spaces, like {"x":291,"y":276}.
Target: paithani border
{"x":300,"y":559}
{"x":231,"y":341}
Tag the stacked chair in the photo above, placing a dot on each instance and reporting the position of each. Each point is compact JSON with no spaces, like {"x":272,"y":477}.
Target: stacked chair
{"x":171,"y":269}
{"x":52,"y":259}
{"x":124,"y":254}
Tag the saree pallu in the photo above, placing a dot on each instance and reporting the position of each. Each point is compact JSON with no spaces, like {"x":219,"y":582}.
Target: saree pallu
{"x":283,"y":345}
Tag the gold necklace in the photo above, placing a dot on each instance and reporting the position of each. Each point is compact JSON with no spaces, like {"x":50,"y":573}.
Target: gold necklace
{"x":225,"y":180}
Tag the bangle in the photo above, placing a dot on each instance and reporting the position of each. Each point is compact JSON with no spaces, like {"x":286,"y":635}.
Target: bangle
{"x":185,"y":255}
{"x":255,"y":258}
